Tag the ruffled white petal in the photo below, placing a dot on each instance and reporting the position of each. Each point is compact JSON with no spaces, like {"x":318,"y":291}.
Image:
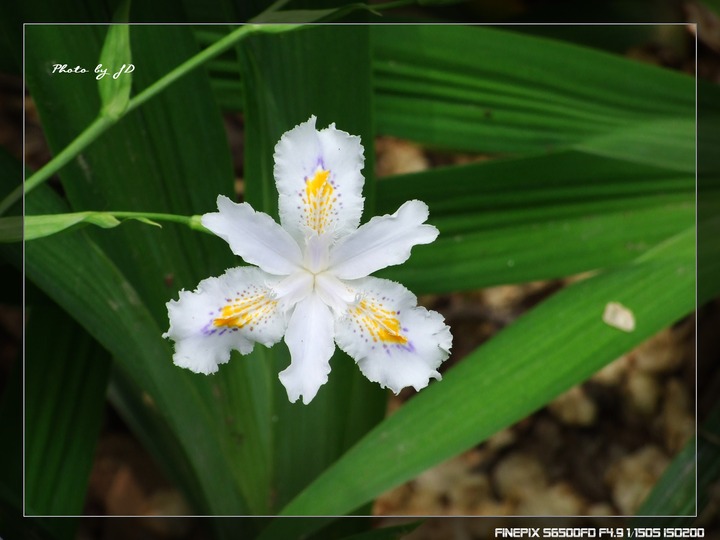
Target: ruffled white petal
{"x":309,"y":337}
{"x":383,"y":241}
{"x":232,"y":311}
{"x":254,"y":236}
{"x":319,"y":179}
{"x":394,"y":342}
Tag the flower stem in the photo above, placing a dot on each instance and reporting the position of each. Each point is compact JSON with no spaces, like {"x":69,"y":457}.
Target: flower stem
{"x":191,"y":221}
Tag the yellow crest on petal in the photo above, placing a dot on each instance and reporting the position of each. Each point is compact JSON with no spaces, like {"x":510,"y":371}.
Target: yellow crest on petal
{"x":245,"y":310}
{"x":319,"y":201}
{"x":382,"y":324}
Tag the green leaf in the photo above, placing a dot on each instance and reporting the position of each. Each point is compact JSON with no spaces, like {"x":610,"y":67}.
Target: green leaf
{"x":288,"y":78}
{"x":113,"y":72}
{"x":110,"y":309}
{"x":11,"y":229}
{"x":540,"y":217}
{"x":518,"y":94}
{"x":15,"y":229}
{"x":649,"y":143}
{"x":66,"y":376}
{"x":13,"y":524}
{"x":556,"y":345}
{"x":170,"y":156}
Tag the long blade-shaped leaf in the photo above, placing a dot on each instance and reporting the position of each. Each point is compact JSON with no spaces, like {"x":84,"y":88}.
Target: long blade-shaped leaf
{"x":148,"y":162}
{"x":558,"y":344}
{"x":52,"y":265}
{"x":516,"y":93}
{"x":288,"y":78}
{"x":539,"y":217}
{"x":66,"y":374}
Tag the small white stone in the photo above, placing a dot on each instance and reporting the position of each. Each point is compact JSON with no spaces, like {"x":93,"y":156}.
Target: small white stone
{"x":618,"y":316}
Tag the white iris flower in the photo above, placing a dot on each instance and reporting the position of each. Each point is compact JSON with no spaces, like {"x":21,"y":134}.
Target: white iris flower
{"x":310,"y":280}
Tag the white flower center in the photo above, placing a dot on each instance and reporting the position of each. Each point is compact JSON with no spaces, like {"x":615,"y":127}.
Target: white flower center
{"x":315,"y":276}
{"x":316,"y":255}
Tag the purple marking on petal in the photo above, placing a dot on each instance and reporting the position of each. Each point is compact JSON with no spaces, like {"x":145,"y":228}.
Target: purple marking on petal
{"x":208,"y":330}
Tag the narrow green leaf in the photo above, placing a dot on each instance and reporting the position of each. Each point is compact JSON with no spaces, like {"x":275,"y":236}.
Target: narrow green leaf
{"x":558,"y":344}
{"x":170,"y":156}
{"x":11,"y":228}
{"x":649,"y":143}
{"x":66,"y":376}
{"x":540,"y":217}
{"x":114,"y":70}
{"x":107,"y":305}
{"x":505,"y":192}
{"x":41,"y":226}
{"x":13,"y":523}
{"x":288,"y":78}
{"x":519,"y":94}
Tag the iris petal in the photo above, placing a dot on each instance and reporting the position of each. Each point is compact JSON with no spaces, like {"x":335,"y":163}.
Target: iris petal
{"x":309,"y":337}
{"x":229,"y":312}
{"x":319,"y":179}
{"x":381,"y":242}
{"x":394,"y":342}
{"x":255,"y":237}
